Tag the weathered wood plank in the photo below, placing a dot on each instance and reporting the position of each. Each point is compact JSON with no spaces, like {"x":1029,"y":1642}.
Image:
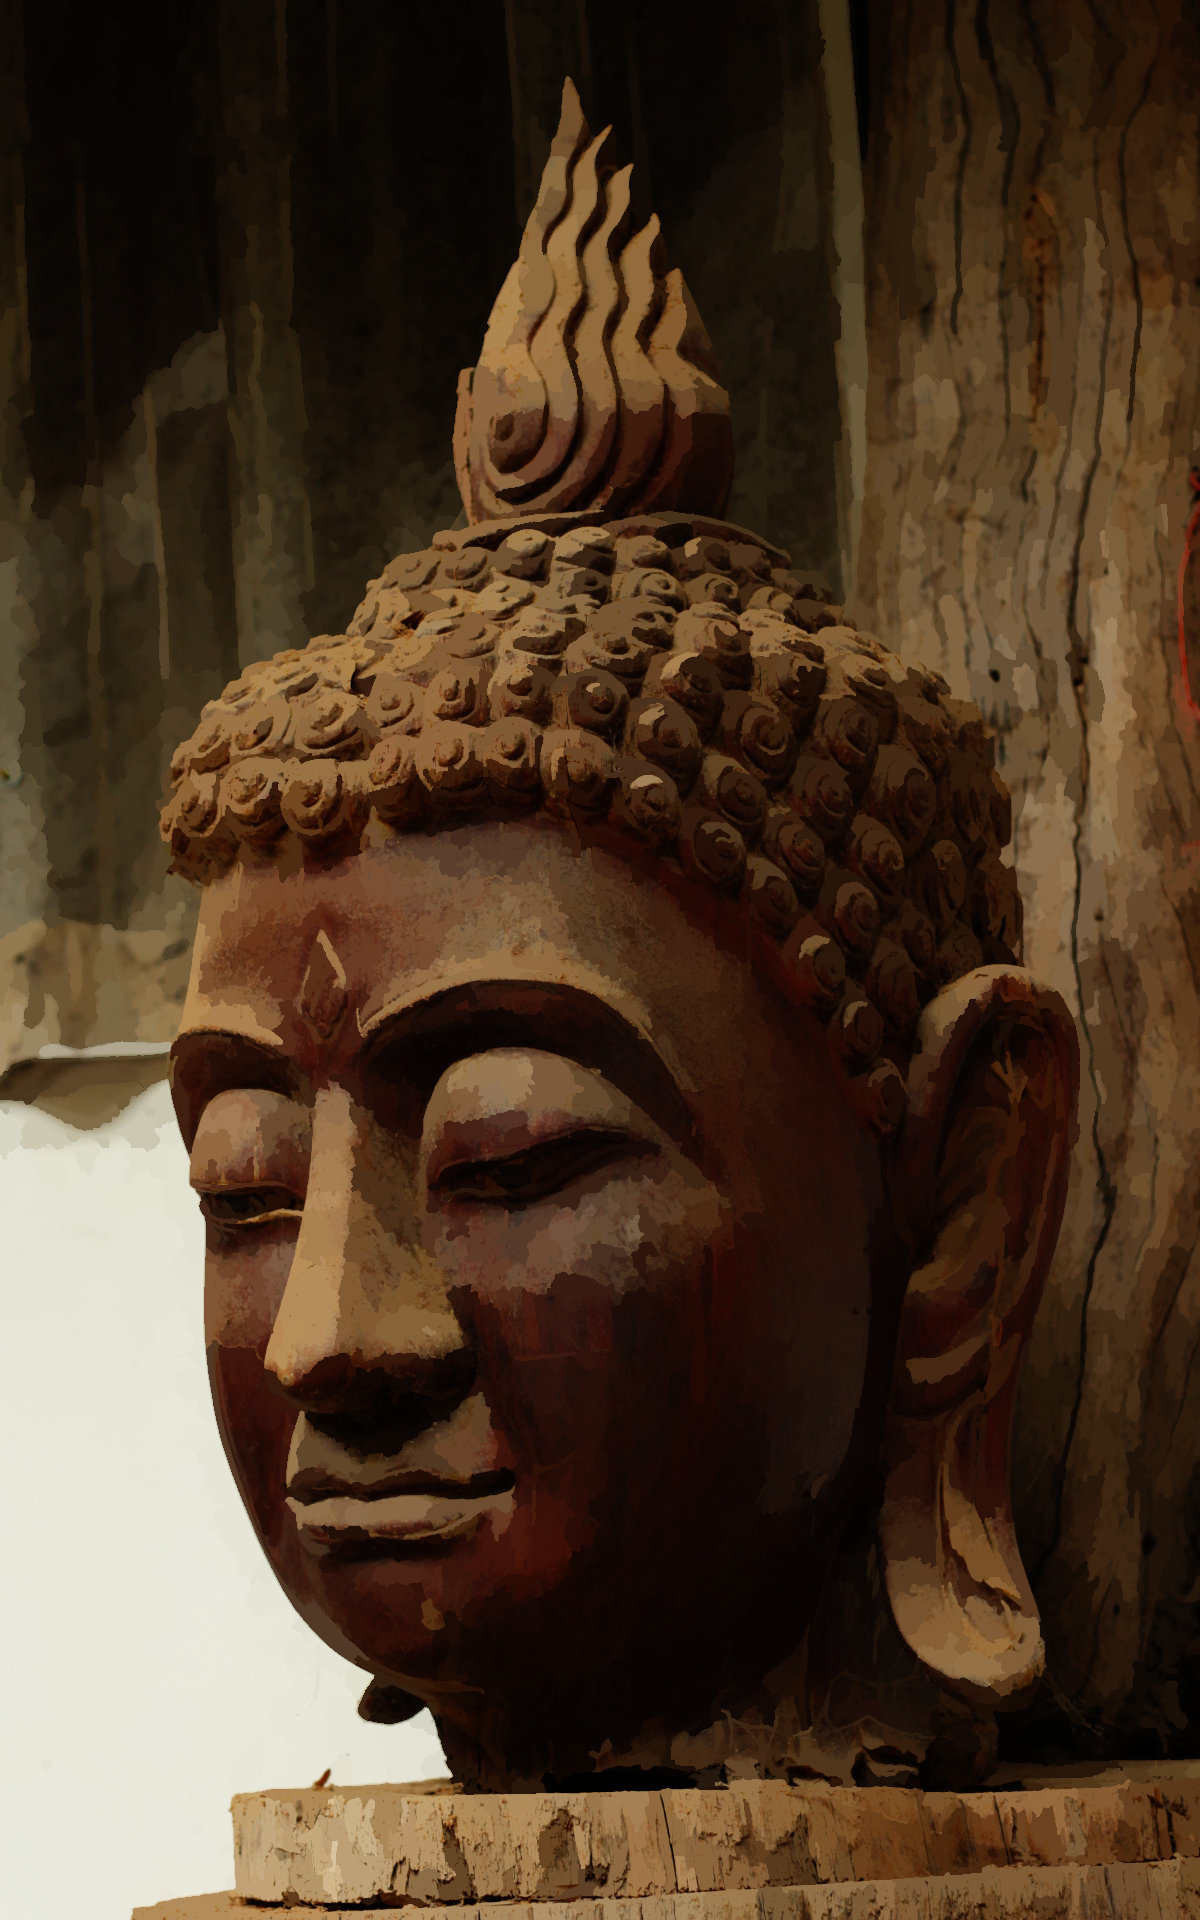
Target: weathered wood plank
{"x":1033,"y":240}
{"x":1164,"y":1890}
{"x":368,"y":1843}
{"x":373,"y":1843}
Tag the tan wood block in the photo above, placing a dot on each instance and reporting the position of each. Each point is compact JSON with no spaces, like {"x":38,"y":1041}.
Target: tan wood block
{"x":196,"y":1906}
{"x":368,"y":1843}
{"x":963,"y":1833}
{"x":882,"y":1833}
{"x":1150,"y":1890}
{"x":768,"y":1834}
{"x":1178,"y":1810}
{"x":353,"y":1845}
{"x":1095,"y":1824}
{"x":705,"y":1906}
{"x":752,"y":1834}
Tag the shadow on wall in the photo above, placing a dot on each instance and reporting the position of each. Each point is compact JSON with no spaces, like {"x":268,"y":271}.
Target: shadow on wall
{"x":242,"y":362}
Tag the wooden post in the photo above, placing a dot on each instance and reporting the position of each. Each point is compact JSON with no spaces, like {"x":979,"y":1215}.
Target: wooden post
{"x":1033,"y":240}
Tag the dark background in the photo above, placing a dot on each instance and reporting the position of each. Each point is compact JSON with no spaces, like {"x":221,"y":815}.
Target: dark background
{"x":412,"y":140}
{"x":329,"y":193}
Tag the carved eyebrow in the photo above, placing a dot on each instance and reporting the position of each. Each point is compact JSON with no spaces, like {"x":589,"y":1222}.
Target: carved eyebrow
{"x":419,"y":1041}
{"x":205,"y":1061}
{"x":410,"y":1046}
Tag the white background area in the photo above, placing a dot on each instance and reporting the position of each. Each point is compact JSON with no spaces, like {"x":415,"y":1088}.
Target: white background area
{"x":152,"y":1667}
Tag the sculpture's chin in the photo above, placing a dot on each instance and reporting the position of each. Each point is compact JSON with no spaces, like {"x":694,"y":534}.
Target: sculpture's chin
{"x":449,"y":1613}
{"x":605,"y":1599}
{"x":406,"y":1607}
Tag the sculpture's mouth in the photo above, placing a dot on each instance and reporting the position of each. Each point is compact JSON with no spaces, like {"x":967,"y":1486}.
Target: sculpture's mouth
{"x":400,"y":1510}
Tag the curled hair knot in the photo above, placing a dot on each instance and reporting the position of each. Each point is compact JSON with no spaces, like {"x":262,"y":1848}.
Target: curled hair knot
{"x":648,"y":802}
{"x":450,"y":764}
{"x":250,"y":799}
{"x":712,"y":848}
{"x":322,"y":801}
{"x":330,"y":725}
{"x":846,"y":805}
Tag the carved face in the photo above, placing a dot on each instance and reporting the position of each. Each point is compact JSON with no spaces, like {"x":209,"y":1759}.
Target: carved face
{"x":543,"y":1253}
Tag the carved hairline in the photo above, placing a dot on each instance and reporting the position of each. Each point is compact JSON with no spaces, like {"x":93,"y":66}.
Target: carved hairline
{"x":674,"y":688}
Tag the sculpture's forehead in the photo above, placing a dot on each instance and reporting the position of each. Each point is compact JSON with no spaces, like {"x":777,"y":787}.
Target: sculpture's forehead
{"x":280,"y":948}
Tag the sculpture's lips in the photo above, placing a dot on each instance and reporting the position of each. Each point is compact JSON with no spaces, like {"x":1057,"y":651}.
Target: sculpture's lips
{"x":406,"y":1509}
{"x":310,"y":1484}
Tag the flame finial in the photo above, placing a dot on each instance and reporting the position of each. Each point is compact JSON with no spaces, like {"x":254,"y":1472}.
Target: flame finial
{"x":596,"y":388}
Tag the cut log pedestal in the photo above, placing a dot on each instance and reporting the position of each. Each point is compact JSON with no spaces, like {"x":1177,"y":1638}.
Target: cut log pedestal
{"x":1076,"y":1849}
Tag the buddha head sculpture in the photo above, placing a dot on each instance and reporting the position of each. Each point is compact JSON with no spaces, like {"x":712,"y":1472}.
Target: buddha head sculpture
{"x":631,"y":1148}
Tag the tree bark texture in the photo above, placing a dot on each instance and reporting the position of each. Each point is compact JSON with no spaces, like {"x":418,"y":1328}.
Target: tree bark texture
{"x":1033,"y":249}
{"x":244,"y":251}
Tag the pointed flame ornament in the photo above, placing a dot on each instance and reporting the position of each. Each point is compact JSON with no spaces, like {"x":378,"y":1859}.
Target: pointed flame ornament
{"x":596,"y":388}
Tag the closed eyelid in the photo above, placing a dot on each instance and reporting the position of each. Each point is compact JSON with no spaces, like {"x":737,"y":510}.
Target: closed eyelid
{"x":484,"y":1143}
{"x":236,"y":1206}
{"x":247,"y":1138}
{"x":513,"y":1080}
{"x":510,"y":1101}
{"x":539,"y":1173}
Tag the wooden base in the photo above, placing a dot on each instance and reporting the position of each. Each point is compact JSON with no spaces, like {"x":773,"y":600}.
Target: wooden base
{"x":750,"y":1851}
{"x":1159,"y":1890}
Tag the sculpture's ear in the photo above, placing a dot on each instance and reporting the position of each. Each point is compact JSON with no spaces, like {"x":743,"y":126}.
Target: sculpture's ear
{"x":979,"y":1182}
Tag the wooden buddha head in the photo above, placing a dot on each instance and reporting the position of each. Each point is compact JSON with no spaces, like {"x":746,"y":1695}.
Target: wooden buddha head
{"x":630,"y":1146}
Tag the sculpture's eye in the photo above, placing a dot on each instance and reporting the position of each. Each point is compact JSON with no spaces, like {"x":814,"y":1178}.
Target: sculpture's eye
{"x":520,"y":1179}
{"x":249,"y":1160}
{"x":248,"y":1206}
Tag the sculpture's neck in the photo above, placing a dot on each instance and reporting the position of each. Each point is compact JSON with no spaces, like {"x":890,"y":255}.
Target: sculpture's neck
{"x":805,"y":1717}
{"x":569,"y":1742}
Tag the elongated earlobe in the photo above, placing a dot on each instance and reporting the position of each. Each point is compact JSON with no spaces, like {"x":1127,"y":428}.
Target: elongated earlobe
{"x":980,"y":1181}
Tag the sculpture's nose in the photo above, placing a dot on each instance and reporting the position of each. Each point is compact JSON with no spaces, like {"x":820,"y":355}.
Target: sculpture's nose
{"x":365,"y":1332}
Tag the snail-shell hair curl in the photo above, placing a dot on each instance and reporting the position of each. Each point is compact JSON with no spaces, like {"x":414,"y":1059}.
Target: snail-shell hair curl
{"x":670,"y":682}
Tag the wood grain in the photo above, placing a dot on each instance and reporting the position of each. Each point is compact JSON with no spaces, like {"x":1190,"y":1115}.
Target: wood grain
{"x":1034,"y":248}
{"x":1165,"y":1890}
{"x":382,"y":1843}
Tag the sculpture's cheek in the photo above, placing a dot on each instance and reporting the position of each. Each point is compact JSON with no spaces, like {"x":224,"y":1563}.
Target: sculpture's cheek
{"x":256,"y":1428}
{"x":590,"y":1318}
{"x":244,"y":1278}
{"x":620,"y":1377}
